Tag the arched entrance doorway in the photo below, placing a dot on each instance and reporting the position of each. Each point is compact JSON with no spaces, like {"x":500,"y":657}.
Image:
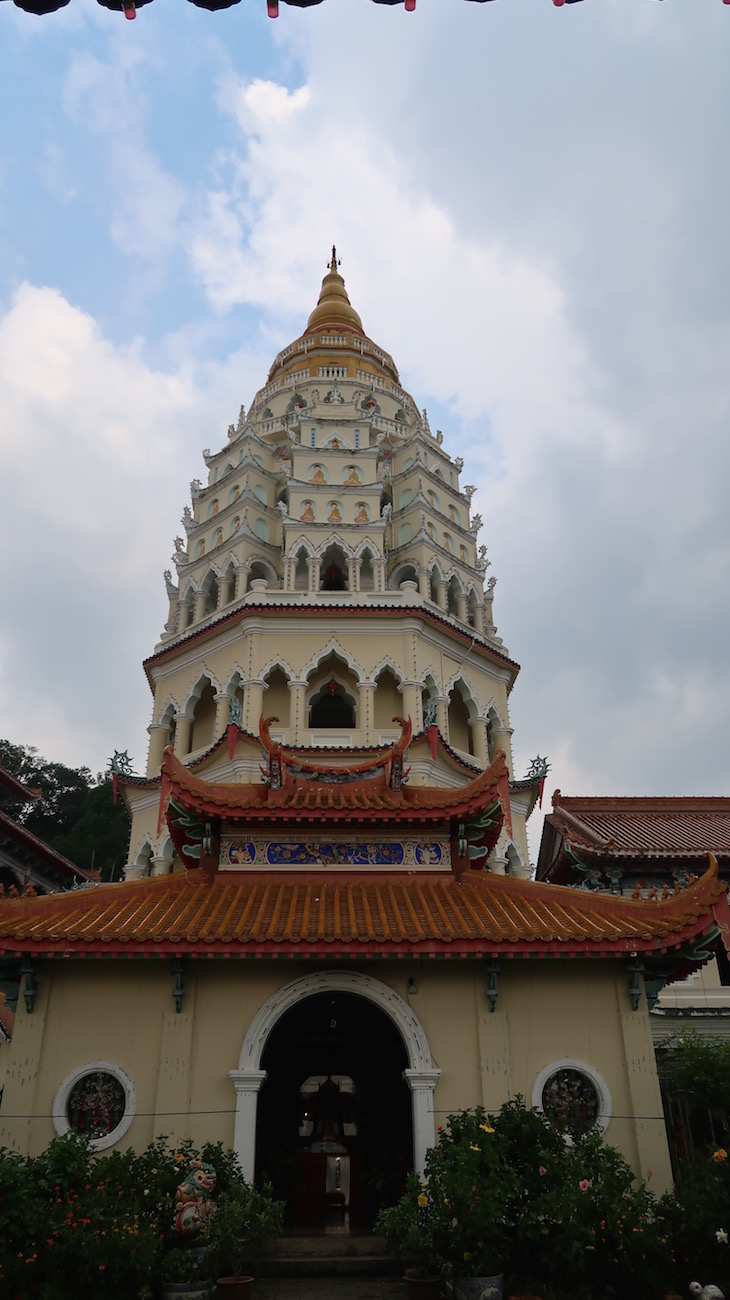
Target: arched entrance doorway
{"x":334,"y":1133}
{"x":385,"y":1027}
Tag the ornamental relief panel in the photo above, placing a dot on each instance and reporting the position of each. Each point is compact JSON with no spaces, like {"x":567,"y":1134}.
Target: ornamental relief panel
{"x":333,"y":851}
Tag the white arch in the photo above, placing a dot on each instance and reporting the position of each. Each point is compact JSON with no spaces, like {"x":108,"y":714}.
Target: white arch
{"x":472,"y":702}
{"x":169,"y":710}
{"x":387,"y":663}
{"x":277,"y":662}
{"x":333,"y":647}
{"x":334,"y":540}
{"x":196,"y":690}
{"x":421,"y":1075}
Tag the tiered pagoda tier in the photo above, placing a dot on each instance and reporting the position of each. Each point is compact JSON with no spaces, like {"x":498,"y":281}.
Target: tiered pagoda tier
{"x":331,"y":577}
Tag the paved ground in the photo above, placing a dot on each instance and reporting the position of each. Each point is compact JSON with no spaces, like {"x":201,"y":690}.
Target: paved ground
{"x":329,"y":1288}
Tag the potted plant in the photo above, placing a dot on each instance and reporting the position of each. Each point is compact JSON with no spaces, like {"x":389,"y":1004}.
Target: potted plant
{"x":185,"y":1273}
{"x":408,"y":1228}
{"x":244,"y":1221}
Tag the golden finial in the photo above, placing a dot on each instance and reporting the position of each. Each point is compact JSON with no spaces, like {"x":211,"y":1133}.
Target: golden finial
{"x":335,"y":261}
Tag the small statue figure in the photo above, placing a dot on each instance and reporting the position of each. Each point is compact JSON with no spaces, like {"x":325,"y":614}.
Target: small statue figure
{"x":307,"y":515}
{"x":317,"y":475}
{"x":361,"y":513}
{"x":353,"y":478}
{"x":193,"y":1199}
{"x":334,"y":516}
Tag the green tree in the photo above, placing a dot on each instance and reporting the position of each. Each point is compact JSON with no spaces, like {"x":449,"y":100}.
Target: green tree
{"x":75,"y":813}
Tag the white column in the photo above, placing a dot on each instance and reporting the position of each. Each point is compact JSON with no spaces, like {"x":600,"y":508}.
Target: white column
{"x":253,"y":698}
{"x":297,"y":702}
{"x":412,"y":704}
{"x":241,"y":582}
{"x":199,"y":611}
{"x":502,"y":739}
{"x":424,"y":584}
{"x":461,"y":611}
{"x":161,"y":866}
{"x":422,"y":1084}
{"x":247,"y":1084}
{"x":351,"y":571}
{"x":479,"y":740}
{"x":442,"y":714}
{"x":478,"y":617}
{"x":366,"y":694}
{"x":314,"y":565}
{"x":183,"y":731}
{"x":158,"y":733}
{"x":222,"y":714}
{"x":356,"y":571}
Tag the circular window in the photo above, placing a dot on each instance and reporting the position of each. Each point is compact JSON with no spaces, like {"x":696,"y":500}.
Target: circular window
{"x":97,"y":1100}
{"x":574,"y":1097}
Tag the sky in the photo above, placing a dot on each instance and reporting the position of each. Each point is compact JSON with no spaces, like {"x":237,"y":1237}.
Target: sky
{"x":531,"y":206}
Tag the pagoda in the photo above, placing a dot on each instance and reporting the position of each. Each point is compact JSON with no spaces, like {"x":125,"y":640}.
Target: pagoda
{"x":328,"y":937}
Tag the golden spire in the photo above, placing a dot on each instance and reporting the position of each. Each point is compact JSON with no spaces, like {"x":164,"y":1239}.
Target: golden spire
{"x":333,"y":306}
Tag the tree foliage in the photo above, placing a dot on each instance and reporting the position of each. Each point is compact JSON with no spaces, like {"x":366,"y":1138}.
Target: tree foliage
{"x":75,"y":813}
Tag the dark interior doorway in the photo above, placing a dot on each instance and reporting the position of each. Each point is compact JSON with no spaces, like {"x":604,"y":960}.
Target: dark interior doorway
{"x":334,"y":1128}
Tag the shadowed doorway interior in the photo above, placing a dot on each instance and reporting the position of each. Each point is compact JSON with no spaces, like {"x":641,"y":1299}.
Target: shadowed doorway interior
{"x":334,"y":1130}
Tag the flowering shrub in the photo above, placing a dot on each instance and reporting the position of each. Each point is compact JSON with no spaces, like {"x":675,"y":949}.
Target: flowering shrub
{"x":696,"y":1218}
{"x":74,"y":1224}
{"x":506,"y":1194}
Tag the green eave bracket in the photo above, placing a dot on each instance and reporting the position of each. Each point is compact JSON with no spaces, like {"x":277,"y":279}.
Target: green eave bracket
{"x":30,"y":985}
{"x":590,"y":877}
{"x":636,"y":970}
{"x":470,"y":833}
{"x":492,"y":983}
{"x":178,"y":991}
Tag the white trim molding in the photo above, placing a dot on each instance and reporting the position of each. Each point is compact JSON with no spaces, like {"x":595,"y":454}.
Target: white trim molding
{"x":421,"y":1075}
{"x":60,"y":1102}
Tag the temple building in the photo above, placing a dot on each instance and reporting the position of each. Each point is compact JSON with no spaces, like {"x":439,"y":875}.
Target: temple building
{"x":328,"y":938}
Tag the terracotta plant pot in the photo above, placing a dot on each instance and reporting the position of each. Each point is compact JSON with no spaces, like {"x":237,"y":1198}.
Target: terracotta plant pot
{"x":422,"y":1288}
{"x":234,"y":1288}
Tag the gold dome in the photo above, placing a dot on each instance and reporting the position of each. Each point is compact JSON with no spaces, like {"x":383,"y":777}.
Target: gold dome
{"x":333,"y":306}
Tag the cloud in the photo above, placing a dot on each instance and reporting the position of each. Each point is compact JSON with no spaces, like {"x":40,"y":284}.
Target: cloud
{"x":97,"y":448}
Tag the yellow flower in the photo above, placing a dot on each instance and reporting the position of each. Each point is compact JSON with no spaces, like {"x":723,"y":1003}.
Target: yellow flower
{"x":719,"y":1156}
{"x":486,"y":1128}
{"x":473,"y":1146}
{"x":422,"y":1200}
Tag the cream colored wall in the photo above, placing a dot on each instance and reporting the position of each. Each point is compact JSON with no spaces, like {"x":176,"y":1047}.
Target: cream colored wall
{"x":123,"y":1012}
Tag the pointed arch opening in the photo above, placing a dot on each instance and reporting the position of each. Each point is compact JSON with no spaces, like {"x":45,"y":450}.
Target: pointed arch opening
{"x":461,"y":708}
{"x":201,"y":707}
{"x":301,"y":569}
{"x":332,"y":695}
{"x":333,"y":569}
{"x":367,"y":570}
{"x":387,"y":702}
{"x":277,"y":697}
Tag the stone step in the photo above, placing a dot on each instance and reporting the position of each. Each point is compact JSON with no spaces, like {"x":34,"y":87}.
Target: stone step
{"x":328,"y":1243}
{"x":331,"y":1255}
{"x":329,"y":1288}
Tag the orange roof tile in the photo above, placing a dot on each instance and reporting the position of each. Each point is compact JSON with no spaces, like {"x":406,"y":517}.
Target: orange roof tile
{"x":310,"y":914}
{"x":637,"y":833}
{"x":322,"y":800}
